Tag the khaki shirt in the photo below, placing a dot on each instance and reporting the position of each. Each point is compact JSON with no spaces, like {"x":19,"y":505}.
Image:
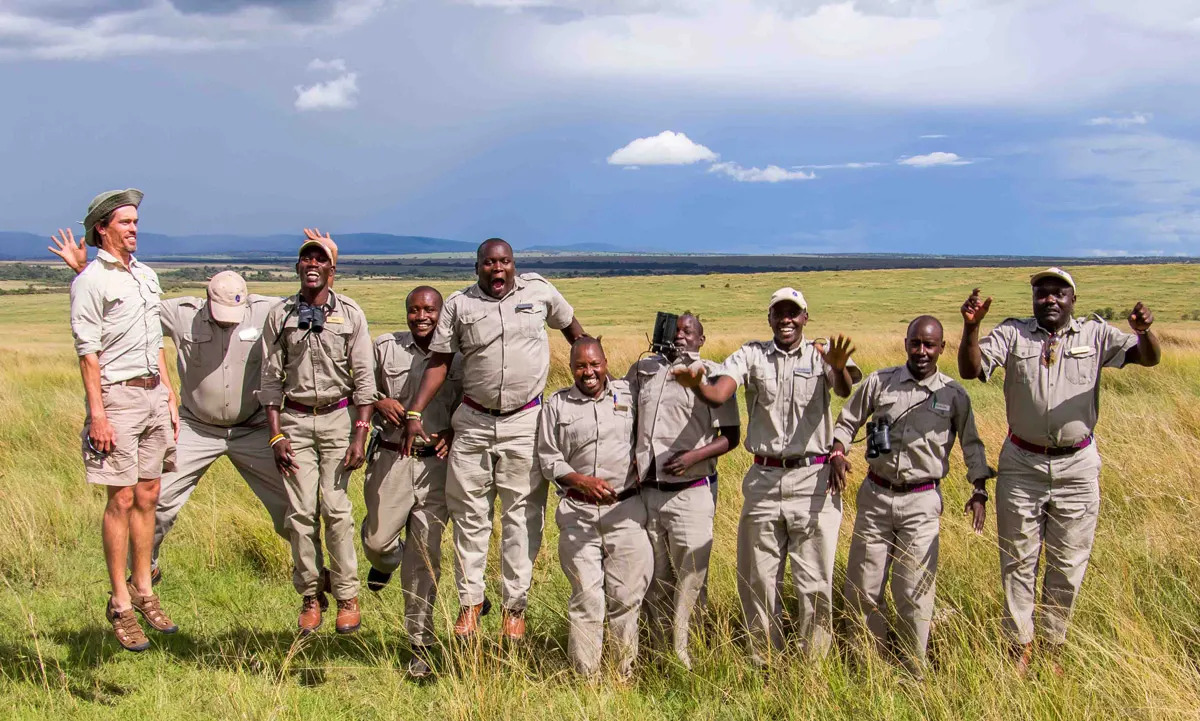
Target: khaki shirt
{"x":115,"y":315}
{"x":671,"y":419}
{"x":399,"y":364}
{"x":317,"y":369}
{"x":506,"y":354}
{"x":921,"y":437}
{"x":787,"y":398}
{"x":1055,"y":404}
{"x":592,"y":436}
{"x":219,"y":367}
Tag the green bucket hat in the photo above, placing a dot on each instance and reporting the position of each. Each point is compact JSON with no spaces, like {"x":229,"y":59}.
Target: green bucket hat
{"x":102,"y":205}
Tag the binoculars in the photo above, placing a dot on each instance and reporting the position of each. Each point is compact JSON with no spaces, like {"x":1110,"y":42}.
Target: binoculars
{"x":310,"y":317}
{"x":879,"y":438}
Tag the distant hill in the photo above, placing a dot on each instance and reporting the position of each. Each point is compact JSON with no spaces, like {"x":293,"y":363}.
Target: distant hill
{"x":27,"y":246}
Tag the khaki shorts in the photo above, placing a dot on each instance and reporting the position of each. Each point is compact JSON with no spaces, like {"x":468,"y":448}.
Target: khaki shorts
{"x":145,"y":441}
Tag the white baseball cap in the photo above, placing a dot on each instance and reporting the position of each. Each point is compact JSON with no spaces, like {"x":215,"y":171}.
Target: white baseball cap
{"x":788,"y":294}
{"x":1054,"y":272}
{"x":227,"y":297}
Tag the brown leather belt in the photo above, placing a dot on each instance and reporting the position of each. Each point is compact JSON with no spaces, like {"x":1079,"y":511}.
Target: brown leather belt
{"x":899,"y":487}
{"x":315,"y":410}
{"x":472,"y":403}
{"x":797,"y":462}
{"x":630,"y":492}
{"x":674,"y":486}
{"x":1050,"y":450}
{"x":417,"y":451}
{"x":147,"y":382}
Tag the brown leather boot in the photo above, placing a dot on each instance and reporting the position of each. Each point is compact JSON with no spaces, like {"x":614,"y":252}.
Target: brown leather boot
{"x":512,"y":625}
{"x":126,"y":628}
{"x":349,"y":618}
{"x":151,"y":609}
{"x":468,"y":618}
{"x":310,"y":615}
{"x":1023,"y":658}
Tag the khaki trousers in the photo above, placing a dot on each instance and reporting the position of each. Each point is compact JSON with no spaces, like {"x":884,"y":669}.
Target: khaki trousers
{"x":1050,"y":504}
{"x":408,"y":494}
{"x":495,"y":458}
{"x":680,"y":526}
{"x":895,"y":534}
{"x":198,"y":447}
{"x":316,"y":492}
{"x":605,"y":553}
{"x":787,"y":515}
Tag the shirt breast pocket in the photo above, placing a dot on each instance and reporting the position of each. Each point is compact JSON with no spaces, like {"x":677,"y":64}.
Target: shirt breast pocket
{"x":1023,"y":362}
{"x":394,"y":380}
{"x":193,"y":342}
{"x":766,"y":387}
{"x":338,"y":341}
{"x":570,"y":433}
{"x":933,"y":421}
{"x":531,"y":319}
{"x":477,"y":329}
{"x":1081,"y":365}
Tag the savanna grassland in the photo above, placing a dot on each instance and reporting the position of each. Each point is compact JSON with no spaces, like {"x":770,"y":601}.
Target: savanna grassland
{"x":1134,"y":652}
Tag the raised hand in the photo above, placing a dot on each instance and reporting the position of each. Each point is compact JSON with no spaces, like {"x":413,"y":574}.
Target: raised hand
{"x":315,"y":234}
{"x":837,"y":353}
{"x":73,"y":253}
{"x":689,"y":376}
{"x":1140,"y":318}
{"x":974,"y":309}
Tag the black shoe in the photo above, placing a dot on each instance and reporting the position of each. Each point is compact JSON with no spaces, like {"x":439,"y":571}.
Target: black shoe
{"x":487,"y":606}
{"x":155,"y":577}
{"x":418,"y":665}
{"x":326,"y":581}
{"x":377,"y":580}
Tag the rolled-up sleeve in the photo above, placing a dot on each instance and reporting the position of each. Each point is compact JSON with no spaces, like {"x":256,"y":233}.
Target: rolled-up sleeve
{"x":974,"y":453}
{"x":87,"y":315}
{"x":559,"y":312}
{"x":168,"y":313}
{"x":857,"y":410}
{"x":1114,"y":344}
{"x":550,"y":456}
{"x":270,"y":386}
{"x":736,"y":366}
{"x":443,"y":340}
{"x":362,"y":363}
{"x":994,"y":349}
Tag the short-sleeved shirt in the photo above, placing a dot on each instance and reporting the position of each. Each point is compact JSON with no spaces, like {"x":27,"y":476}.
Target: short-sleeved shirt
{"x":1056,"y":402}
{"x":317,"y":369}
{"x":592,"y":436}
{"x":671,"y":419}
{"x":506,"y":354}
{"x":219,"y":367}
{"x":399,"y":365}
{"x":115,"y":315}
{"x":787,"y":398}
{"x":926,"y":416}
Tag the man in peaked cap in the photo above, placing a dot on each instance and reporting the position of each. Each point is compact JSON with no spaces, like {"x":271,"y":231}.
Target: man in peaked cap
{"x":1048,"y":488}
{"x":129,"y":436}
{"x":789,"y":512}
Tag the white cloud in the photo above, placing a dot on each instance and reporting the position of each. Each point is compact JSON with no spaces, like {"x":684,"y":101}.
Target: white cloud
{"x":1122,"y":121}
{"x":341,"y":93}
{"x":839,"y":166}
{"x":934,"y":136}
{"x":769,"y":174}
{"x":933,"y":159}
{"x":336,"y":65}
{"x":666,"y":148}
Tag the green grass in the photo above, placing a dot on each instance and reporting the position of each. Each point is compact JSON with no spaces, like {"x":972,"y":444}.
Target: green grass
{"x":1135,"y":645}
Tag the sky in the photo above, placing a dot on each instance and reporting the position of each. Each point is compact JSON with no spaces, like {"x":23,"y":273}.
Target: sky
{"x":1056,"y":127}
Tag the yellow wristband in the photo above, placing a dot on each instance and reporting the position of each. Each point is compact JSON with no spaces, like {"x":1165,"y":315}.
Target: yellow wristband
{"x":276,"y":439}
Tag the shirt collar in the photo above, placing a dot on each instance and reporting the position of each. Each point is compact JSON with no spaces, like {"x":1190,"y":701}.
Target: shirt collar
{"x":773,"y":347}
{"x":518,"y":284}
{"x":111,"y":259}
{"x":329,"y":307}
{"x":933,"y":382}
{"x":1034,"y":327}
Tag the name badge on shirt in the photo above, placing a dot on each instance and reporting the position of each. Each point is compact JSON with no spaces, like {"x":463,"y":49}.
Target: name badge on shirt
{"x":941,"y":407}
{"x":1079,"y":351}
{"x":524,"y":306}
{"x":803,"y":371}
{"x":335,"y":319}
{"x":249,"y":334}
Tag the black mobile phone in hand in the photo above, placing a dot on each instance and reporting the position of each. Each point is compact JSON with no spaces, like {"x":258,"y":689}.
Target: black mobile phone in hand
{"x":96,"y":453}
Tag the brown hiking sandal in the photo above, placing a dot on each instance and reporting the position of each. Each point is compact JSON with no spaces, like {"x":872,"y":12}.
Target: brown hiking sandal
{"x":349,"y":618}
{"x":151,"y":609}
{"x":125,"y":627}
{"x":512,"y":625}
{"x":310,"y":615}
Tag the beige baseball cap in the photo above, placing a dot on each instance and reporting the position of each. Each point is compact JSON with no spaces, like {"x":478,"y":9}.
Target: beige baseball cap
{"x":788,"y":294}
{"x":227,"y":297}
{"x":325,"y":244}
{"x":1053,"y":272}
